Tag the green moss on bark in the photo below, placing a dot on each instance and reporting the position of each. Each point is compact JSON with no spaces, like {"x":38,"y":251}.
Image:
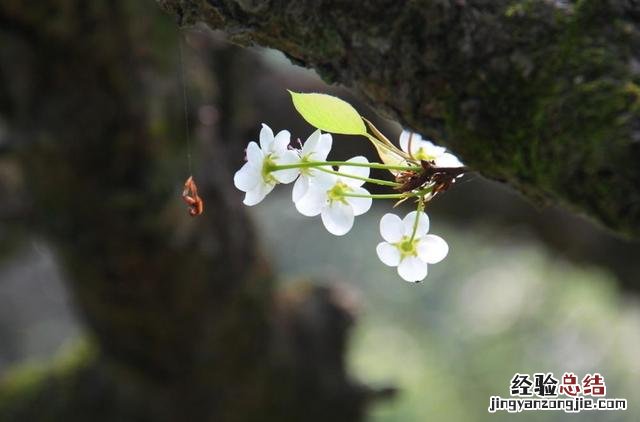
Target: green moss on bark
{"x":43,"y":391}
{"x":539,"y":94}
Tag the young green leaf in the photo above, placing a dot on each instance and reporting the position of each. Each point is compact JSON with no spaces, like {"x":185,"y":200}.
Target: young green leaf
{"x":328,"y":113}
{"x":389,"y":153}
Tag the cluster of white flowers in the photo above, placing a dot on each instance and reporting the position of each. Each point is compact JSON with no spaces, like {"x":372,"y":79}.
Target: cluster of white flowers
{"x":337,"y":195}
{"x":421,"y":149}
{"x":317,"y":191}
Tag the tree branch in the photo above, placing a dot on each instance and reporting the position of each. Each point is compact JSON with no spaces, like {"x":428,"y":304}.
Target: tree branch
{"x":543,"y":95}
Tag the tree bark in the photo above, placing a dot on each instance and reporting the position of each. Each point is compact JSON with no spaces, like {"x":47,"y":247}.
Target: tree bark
{"x":543,"y":95}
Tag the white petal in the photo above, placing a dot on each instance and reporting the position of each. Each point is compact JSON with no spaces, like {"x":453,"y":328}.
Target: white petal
{"x":246,"y":178}
{"x":281,"y":141}
{"x":410,"y":220}
{"x":391,"y":228}
{"x":416,"y":138}
{"x":300,"y":188}
{"x":404,"y":140}
{"x":337,"y":218}
{"x":354,"y":171}
{"x":312,"y":202}
{"x":432,"y":249}
{"x":266,"y":138}
{"x":412,"y":269}
{"x":432,"y":149}
{"x":311,"y":143}
{"x":322,"y":179}
{"x":257,"y":194}
{"x":388,"y":254}
{"x":360,"y":205}
{"x":448,"y":160}
{"x":288,"y":175}
{"x":255,"y":156}
{"x":324,"y":147}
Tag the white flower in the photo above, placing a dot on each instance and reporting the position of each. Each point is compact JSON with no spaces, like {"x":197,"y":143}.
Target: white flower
{"x":316,"y":148}
{"x":326,"y":196}
{"x":255,"y":177}
{"x":410,"y":256}
{"x":425,"y":150}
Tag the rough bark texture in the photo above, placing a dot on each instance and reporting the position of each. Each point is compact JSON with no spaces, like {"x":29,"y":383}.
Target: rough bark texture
{"x":541,"y":94}
{"x":183,"y":317}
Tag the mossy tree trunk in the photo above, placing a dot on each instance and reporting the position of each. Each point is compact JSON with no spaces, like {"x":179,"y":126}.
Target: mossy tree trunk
{"x":543,"y":95}
{"x":182,"y":313}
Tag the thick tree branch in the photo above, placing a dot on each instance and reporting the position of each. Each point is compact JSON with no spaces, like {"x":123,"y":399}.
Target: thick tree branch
{"x":541,"y":94}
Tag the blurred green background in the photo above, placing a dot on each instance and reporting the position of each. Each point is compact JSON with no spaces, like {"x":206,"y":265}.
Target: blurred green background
{"x":499,"y":304}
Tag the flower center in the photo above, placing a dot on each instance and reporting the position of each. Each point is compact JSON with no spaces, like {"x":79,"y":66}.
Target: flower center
{"x":422,"y":155}
{"x":337,"y":191}
{"x":267,"y":165}
{"x":407,"y":247}
{"x":306,"y":171}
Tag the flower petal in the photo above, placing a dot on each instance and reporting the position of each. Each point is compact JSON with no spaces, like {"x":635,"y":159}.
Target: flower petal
{"x":432,"y":149}
{"x":300,"y":188}
{"x":321,"y":179}
{"x":255,"y":156}
{"x":404,"y":140}
{"x":354,"y":171}
{"x":281,"y":142}
{"x":360,"y":205}
{"x":288,"y":175}
{"x":312,"y":202}
{"x":257,"y":194}
{"x":311,"y":143}
{"x":391,"y":228}
{"x":246,"y":178}
{"x":409,"y":221}
{"x":337,"y":218}
{"x":388,"y":254}
{"x":266,"y":138}
{"x":432,"y":249}
{"x":412,"y":269}
{"x":415,"y":138}
{"x":324,"y":147}
{"x":448,"y":160}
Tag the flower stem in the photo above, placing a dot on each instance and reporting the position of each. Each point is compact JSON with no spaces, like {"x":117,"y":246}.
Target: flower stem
{"x":379,"y":196}
{"x":309,"y":164}
{"x":366,"y":179}
{"x":418,"y":213}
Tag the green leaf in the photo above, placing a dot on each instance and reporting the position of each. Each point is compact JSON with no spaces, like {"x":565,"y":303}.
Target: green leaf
{"x":390,"y":155}
{"x":328,"y":113}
